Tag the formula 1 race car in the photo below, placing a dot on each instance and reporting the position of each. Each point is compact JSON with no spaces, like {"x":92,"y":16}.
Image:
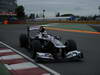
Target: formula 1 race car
{"x":46,"y":46}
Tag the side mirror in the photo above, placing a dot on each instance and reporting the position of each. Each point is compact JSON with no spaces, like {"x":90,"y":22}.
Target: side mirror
{"x":58,"y":37}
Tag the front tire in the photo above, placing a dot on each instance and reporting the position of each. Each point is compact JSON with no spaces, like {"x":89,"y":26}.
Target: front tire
{"x":36,"y":46}
{"x":23,"y":40}
{"x":51,"y":49}
{"x":70,"y":45}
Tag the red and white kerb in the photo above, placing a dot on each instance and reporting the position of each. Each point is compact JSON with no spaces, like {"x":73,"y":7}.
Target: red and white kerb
{"x":18,"y":65}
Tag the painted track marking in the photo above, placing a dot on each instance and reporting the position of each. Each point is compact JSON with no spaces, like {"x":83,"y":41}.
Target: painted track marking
{"x":24,"y":65}
{"x":11,"y":57}
{"x":6,"y":50}
{"x":70,"y":30}
{"x":40,"y":65}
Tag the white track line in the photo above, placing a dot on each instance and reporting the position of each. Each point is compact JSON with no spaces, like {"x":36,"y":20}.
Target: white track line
{"x":11,"y":57}
{"x":42,"y":66}
{"x":20,"y":66}
{"x":5,"y":50}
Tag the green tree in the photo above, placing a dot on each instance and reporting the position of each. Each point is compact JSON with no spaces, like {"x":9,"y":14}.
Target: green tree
{"x":37,"y":16}
{"x":58,"y":14}
{"x":20,"y":12}
{"x":66,"y":15}
{"x":32,"y":16}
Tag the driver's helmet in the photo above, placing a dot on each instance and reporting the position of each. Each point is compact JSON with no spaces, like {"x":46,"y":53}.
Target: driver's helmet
{"x":42,"y":29}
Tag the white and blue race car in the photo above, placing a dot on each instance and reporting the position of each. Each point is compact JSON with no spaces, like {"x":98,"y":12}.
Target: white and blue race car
{"x":49,"y":47}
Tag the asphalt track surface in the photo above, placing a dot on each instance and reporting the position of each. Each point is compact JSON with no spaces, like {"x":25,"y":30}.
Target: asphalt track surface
{"x":89,"y":44}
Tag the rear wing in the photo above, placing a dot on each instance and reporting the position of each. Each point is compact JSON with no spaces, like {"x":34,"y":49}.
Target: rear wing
{"x":37,"y":27}
{"x":30,"y":28}
{"x":33,"y":28}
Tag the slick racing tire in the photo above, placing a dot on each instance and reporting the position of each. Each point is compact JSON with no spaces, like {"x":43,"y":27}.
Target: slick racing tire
{"x":35,"y":46}
{"x":81,"y":55}
{"x":70,"y":45}
{"x":23,"y":40}
{"x":51,"y":49}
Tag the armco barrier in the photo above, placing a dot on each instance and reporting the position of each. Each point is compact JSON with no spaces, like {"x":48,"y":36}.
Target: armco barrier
{"x":80,"y":22}
{"x":54,"y":21}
